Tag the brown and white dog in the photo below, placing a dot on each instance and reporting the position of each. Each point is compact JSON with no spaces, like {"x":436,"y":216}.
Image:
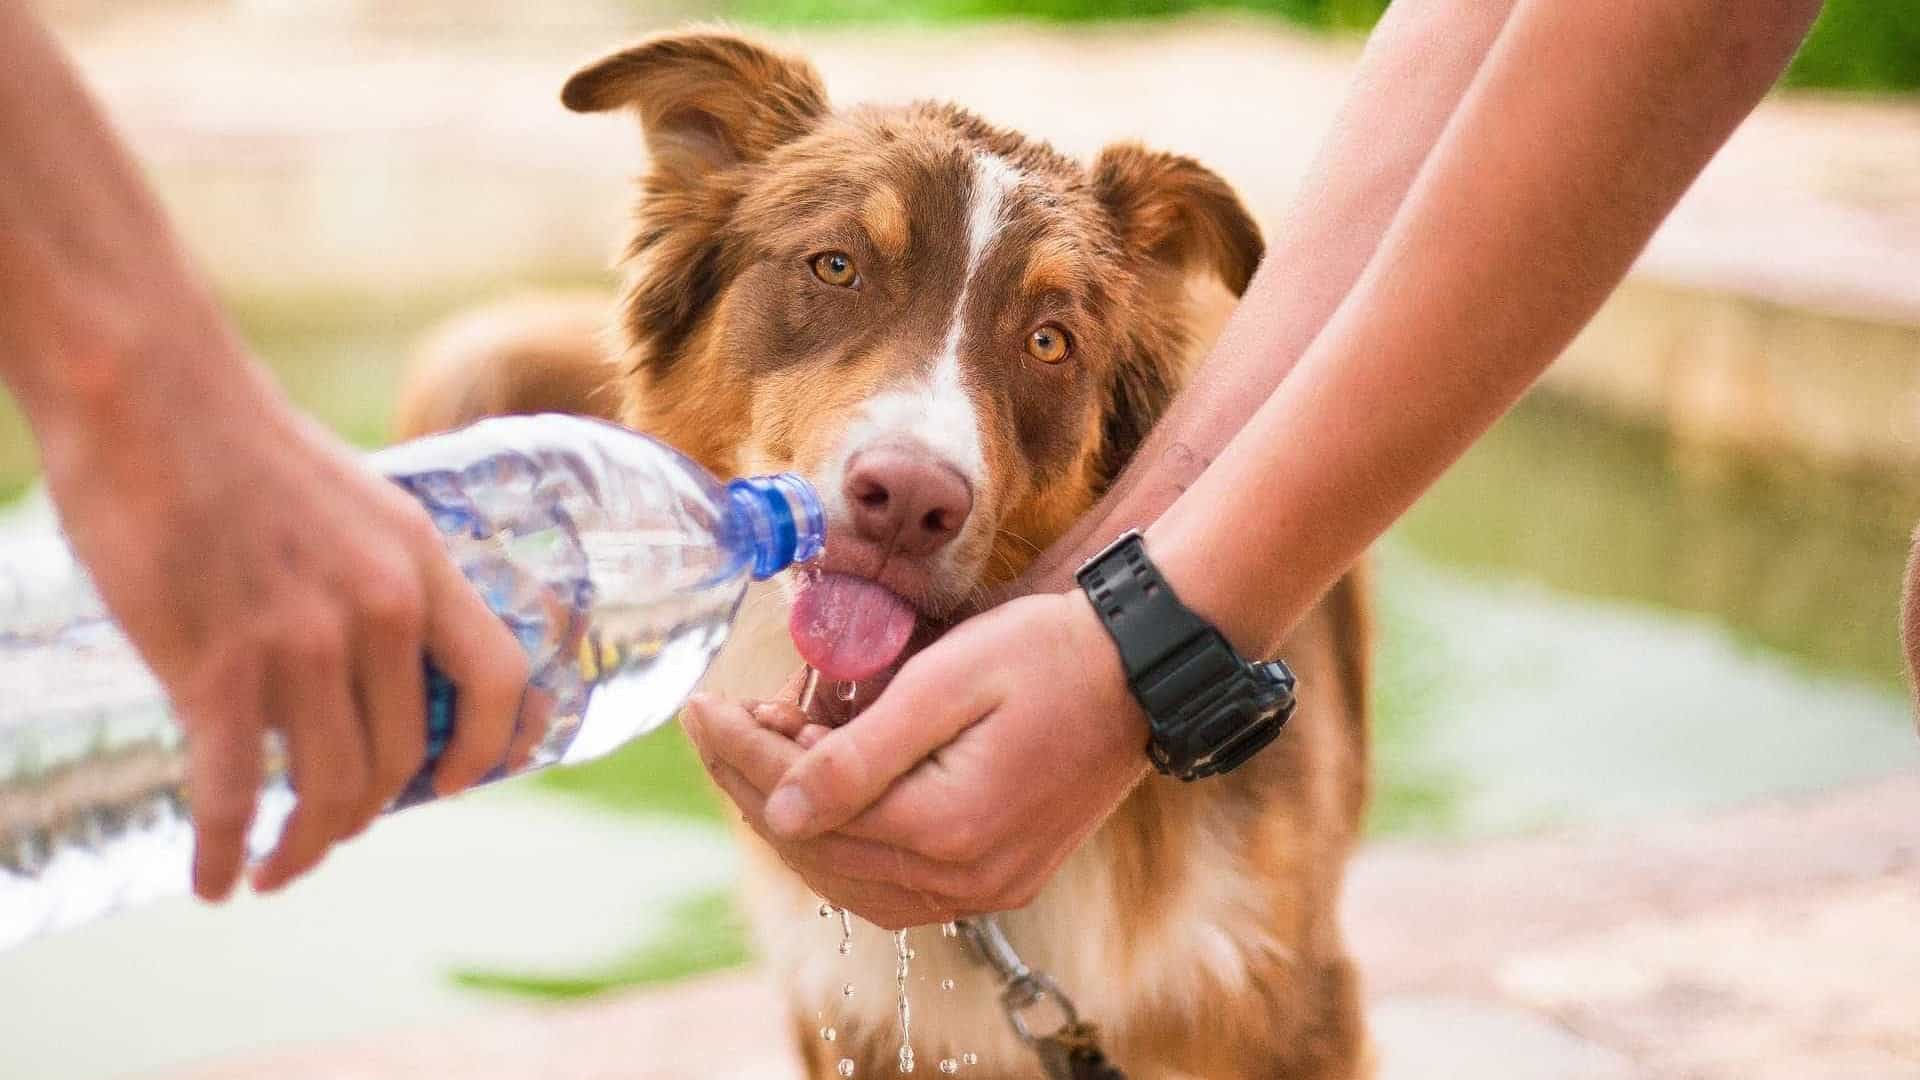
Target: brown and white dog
{"x":960,"y":336}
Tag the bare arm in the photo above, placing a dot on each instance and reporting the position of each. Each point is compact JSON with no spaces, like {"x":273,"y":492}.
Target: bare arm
{"x":1418,"y":63}
{"x":267,"y":579}
{"x":1583,"y":129}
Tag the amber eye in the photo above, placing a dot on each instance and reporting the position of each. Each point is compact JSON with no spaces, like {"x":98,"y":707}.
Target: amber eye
{"x":1049,"y":344}
{"x":836,"y":268}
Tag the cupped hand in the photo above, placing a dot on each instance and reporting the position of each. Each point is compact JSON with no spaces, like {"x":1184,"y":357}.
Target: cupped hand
{"x":991,"y":755}
{"x":272,"y":582}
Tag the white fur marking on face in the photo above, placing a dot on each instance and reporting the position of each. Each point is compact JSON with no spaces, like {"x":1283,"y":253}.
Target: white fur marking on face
{"x":950,"y":421}
{"x":993,"y":180}
{"x":939,"y":412}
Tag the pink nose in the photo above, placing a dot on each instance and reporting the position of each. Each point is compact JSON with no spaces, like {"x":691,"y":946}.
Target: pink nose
{"x":907,"y":499}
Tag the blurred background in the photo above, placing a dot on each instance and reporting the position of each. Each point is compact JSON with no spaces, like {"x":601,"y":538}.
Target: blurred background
{"x":1663,"y":590}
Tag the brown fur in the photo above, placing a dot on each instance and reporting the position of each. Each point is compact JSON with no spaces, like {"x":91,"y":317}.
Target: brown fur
{"x":1198,"y":925}
{"x":538,"y":354}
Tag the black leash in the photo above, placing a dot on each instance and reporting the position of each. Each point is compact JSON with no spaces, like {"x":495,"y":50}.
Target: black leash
{"x":1070,"y":1051}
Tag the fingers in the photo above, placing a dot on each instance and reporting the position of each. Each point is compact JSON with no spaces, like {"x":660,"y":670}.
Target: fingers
{"x":536,"y":716}
{"x":392,"y":691}
{"x":880,"y":881}
{"x":849,"y":768}
{"x":470,"y":645}
{"x":326,"y":748}
{"x":780,"y":716}
{"x":726,"y":733}
{"x":223,"y":778}
{"x":865,"y":878}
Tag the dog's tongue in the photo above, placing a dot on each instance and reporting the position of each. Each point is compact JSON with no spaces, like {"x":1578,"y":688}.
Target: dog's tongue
{"x":848,"y":627}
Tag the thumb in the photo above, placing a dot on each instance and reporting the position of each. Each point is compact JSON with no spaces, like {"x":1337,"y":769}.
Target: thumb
{"x":936,"y":696}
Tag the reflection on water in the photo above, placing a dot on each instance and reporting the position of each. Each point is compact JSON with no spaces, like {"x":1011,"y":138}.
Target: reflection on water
{"x":1804,"y":562}
{"x":1507,"y":705}
{"x":1575,"y":629}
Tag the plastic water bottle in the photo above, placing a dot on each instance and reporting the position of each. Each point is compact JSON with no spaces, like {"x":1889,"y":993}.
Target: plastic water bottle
{"x":617,"y":562}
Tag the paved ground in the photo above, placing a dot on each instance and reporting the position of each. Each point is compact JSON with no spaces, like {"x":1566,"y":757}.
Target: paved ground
{"x":1772,"y":942}
{"x":502,"y":882}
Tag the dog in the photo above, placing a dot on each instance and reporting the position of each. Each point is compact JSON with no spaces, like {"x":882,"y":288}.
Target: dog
{"x":960,"y":336}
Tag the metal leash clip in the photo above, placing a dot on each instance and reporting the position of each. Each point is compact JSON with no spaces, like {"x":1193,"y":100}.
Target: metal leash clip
{"x":1021,"y":988}
{"x":1069,"y":1051}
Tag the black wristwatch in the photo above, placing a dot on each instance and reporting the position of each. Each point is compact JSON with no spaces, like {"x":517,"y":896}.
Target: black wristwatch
{"x":1208,"y":709}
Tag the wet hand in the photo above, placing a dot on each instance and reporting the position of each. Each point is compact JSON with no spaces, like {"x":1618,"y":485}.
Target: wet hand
{"x":983,"y":764}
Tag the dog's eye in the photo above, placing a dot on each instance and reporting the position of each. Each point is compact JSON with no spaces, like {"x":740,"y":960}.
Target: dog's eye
{"x":1049,"y":344}
{"x":836,"y":268}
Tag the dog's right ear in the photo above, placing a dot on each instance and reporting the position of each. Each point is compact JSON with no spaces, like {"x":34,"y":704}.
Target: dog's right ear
{"x":706,"y":100}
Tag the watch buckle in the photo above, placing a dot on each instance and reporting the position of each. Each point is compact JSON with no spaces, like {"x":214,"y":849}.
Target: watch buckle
{"x":1106,"y":551}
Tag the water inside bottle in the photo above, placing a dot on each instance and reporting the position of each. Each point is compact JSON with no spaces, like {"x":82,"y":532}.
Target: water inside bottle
{"x":619,"y":619}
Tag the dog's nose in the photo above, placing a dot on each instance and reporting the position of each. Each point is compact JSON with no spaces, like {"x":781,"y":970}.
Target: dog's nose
{"x":906,"y":499}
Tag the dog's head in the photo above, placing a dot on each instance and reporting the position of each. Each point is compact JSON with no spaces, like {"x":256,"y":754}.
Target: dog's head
{"x":958,"y":334}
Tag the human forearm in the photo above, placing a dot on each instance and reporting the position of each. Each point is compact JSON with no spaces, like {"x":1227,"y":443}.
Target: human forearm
{"x":1585,"y":126}
{"x":92,"y":280}
{"x":1417,"y":65}
{"x":265,"y":575}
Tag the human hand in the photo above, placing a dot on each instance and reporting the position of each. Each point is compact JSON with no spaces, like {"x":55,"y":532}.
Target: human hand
{"x":983,"y":764}
{"x":271,"y":581}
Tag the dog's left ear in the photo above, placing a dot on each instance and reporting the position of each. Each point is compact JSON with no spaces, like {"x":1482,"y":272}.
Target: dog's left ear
{"x":707,"y":100}
{"x":1178,"y":213}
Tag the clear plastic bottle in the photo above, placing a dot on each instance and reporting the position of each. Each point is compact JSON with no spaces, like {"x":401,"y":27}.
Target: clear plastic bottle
{"x":617,"y":562}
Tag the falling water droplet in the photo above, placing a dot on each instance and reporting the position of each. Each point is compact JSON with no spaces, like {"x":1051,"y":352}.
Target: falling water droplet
{"x":948,"y":929}
{"x":826,"y":911}
{"x":949,"y":1066}
{"x":969,"y":1058}
{"x":829,"y":1034}
{"x":847,"y":990}
{"x":846,"y":932}
{"x":845,"y":1067}
{"x":847,"y":691}
{"x":846,"y":948}
{"x":946,"y":984}
{"x":807,"y":688}
{"x":900,"y":972}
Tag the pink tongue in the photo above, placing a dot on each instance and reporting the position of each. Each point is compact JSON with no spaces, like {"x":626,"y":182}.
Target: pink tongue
{"x":849,"y":628}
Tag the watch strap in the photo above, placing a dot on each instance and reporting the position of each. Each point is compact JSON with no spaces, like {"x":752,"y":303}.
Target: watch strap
{"x":1147,"y":621}
{"x":1207,"y":710}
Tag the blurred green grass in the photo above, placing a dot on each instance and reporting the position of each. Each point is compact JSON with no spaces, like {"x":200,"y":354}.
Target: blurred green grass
{"x":1857,"y":45}
{"x":1322,"y":14}
{"x":705,"y":933}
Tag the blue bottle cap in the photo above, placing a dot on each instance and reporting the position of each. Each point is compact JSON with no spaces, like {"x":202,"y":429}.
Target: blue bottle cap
{"x":783,"y":517}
